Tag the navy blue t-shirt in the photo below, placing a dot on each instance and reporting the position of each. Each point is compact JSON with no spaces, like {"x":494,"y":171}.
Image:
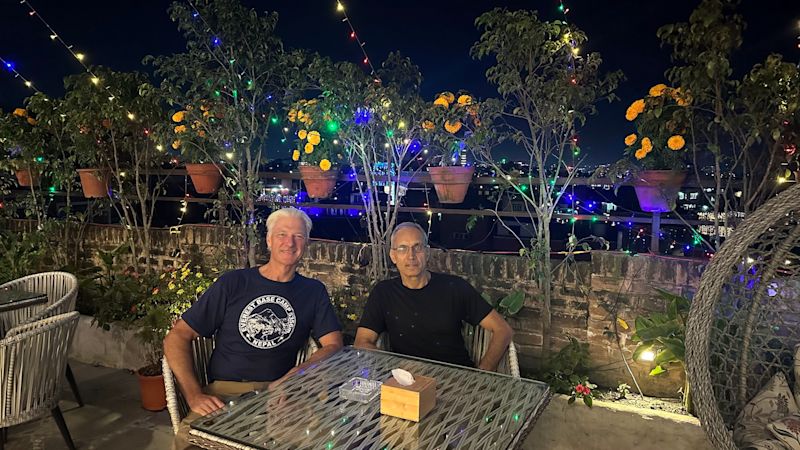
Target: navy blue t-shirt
{"x":260,"y":324}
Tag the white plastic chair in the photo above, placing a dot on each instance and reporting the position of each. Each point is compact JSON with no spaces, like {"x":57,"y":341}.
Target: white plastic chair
{"x":201,"y":355}
{"x":33,"y":358}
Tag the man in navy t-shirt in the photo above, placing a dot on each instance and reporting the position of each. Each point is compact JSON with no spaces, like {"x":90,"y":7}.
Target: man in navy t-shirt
{"x":260,"y":318}
{"x":423,"y":312}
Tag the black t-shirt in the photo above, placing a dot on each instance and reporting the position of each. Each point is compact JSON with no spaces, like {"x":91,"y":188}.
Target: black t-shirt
{"x":260,"y":324}
{"x":426,"y":322}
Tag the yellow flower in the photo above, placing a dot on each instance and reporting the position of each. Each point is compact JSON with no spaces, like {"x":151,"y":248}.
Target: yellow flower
{"x":179,"y":292}
{"x":301,"y":116}
{"x":640,"y":154}
{"x":631,"y":115}
{"x":292,"y":115}
{"x":352,"y":317}
{"x":20,"y":112}
{"x":638,"y":106}
{"x":180,"y":129}
{"x":176,"y":144}
{"x":441,"y":101}
{"x":427,"y":125}
{"x":657,"y":90}
{"x":198,"y":275}
{"x":464,"y":100}
{"x":198,"y":290}
{"x":452,"y":127}
{"x":313,"y":137}
{"x":448,"y":96}
{"x":162,"y":276}
{"x":630,"y":139}
{"x":313,"y":101}
{"x":178,"y":116}
{"x":302,"y":134}
{"x":676,"y":142}
{"x":296,"y":155}
{"x":309,"y":148}
{"x":31,"y":121}
{"x":171,"y":286}
{"x":325,"y":165}
{"x":647,"y":145}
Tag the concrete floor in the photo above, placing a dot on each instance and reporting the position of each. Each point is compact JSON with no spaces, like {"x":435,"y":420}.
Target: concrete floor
{"x":111,"y":417}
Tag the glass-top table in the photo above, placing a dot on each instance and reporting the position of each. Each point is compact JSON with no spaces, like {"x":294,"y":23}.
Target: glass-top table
{"x":474,"y":410}
{"x":11,"y":299}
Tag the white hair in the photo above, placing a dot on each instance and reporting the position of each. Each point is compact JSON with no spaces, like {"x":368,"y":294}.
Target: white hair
{"x":289,"y":212}
{"x":412,"y":225}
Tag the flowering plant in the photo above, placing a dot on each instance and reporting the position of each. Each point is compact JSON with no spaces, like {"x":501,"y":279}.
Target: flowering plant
{"x":175,"y":291}
{"x":662,"y":120}
{"x":455,"y":123}
{"x":348,"y":303}
{"x":22,"y":143}
{"x":315,"y":145}
{"x":189,"y":130}
{"x":582,"y":390}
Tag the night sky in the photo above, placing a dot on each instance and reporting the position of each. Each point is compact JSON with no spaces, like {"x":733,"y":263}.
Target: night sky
{"x":436,"y":34}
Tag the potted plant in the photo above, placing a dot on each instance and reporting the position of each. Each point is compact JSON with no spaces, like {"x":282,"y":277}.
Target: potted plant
{"x":24,"y":148}
{"x":175,"y":291}
{"x":190,"y":127}
{"x":348,"y":303}
{"x":657,"y":153}
{"x":316,"y":147}
{"x":453,"y":121}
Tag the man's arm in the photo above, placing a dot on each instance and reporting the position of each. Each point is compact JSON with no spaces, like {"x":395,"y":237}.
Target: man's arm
{"x":366,"y":338}
{"x":501,"y":337}
{"x":177,"y":350}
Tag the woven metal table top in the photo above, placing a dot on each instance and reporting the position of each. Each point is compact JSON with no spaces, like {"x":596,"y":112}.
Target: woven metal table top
{"x":474,"y":409}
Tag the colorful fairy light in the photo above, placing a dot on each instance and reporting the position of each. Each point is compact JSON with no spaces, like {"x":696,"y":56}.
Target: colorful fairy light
{"x":353,"y":35}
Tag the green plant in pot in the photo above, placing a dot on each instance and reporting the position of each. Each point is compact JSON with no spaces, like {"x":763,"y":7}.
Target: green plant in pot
{"x":175,"y":291}
{"x":662,"y":339}
{"x":23,"y":147}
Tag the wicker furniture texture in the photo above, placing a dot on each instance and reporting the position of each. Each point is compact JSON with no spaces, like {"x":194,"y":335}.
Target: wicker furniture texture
{"x":201,"y":355}
{"x":33,"y":358}
{"x":477,"y":342}
{"x":744,"y":320}
{"x":474,"y":410}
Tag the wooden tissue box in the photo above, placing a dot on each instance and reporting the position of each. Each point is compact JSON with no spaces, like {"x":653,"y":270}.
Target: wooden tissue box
{"x":408,"y":402}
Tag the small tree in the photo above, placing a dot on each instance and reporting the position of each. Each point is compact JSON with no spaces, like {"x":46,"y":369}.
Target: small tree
{"x":111,"y":122}
{"x":548,"y":91}
{"x":228,"y":84}
{"x":378,"y":122}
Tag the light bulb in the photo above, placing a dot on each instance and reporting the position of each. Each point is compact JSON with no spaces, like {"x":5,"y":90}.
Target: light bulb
{"x":647,"y":355}
{"x":80,"y":56}
{"x":95,"y":80}
{"x":28,"y":83}
{"x":131,"y":116}
{"x":339,"y":6}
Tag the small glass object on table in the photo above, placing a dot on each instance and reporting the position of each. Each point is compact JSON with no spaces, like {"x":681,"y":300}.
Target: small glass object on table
{"x":360,"y":389}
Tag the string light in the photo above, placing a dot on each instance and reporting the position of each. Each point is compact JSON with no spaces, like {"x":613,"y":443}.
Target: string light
{"x":11,"y":67}
{"x":353,"y":35}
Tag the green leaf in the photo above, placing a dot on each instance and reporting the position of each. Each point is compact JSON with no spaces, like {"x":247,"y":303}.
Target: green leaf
{"x":587,"y":400}
{"x":664,"y":357}
{"x":513,"y":302}
{"x":657,"y":371}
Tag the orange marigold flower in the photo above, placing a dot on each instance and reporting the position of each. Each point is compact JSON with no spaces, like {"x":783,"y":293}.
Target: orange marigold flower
{"x":630,"y":139}
{"x":176,"y":144}
{"x":178,"y":116}
{"x":180,"y":129}
{"x":302,"y":134}
{"x":640,"y":154}
{"x":658,"y":90}
{"x":296,"y":155}
{"x":20,"y":112}
{"x":313,"y":137}
{"x":452,"y":127}
{"x":647,"y":145}
{"x":638,"y":106}
{"x":448,"y":96}
{"x":441,"y":101}
{"x":309,"y":147}
{"x":676,"y":142}
{"x":464,"y":100}
{"x":427,"y":125}
{"x":325,"y":165}
{"x":32,"y":121}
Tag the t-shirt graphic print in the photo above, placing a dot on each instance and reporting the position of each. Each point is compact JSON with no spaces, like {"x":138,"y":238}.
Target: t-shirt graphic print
{"x":267,"y":321}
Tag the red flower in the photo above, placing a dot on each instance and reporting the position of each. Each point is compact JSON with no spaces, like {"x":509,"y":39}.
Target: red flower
{"x":579,"y":389}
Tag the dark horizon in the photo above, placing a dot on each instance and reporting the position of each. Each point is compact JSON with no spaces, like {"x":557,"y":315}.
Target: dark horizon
{"x":436,"y":35}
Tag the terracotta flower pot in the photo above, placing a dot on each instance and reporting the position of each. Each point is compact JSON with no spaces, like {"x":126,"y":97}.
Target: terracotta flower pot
{"x":153,"y":393}
{"x":657,"y":190}
{"x":206,"y":177}
{"x":94,"y":182}
{"x":27,"y":177}
{"x":451,"y":182}
{"x":319,"y":183}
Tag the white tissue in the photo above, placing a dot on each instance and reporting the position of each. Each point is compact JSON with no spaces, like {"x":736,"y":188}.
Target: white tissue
{"x":403,"y":377}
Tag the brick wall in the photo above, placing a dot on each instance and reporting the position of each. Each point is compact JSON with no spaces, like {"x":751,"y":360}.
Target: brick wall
{"x":586,"y":292}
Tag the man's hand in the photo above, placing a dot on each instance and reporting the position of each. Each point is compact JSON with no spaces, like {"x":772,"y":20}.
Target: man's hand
{"x":204,"y":404}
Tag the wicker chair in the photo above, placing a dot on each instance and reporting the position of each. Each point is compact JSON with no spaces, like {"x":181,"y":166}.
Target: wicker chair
{"x":201,"y":355}
{"x":477,"y":342}
{"x":33,"y":358}
{"x":744,"y":320}
{"x":62,"y":292}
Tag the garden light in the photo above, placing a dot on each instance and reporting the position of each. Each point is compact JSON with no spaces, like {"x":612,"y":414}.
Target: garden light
{"x":647,"y":355}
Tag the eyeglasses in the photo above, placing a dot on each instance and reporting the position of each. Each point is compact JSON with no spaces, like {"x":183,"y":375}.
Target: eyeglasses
{"x":405,"y":249}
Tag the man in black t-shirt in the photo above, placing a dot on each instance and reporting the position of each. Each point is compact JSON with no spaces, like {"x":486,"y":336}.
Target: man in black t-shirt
{"x":260,"y":318}
{"x":423,"y":312}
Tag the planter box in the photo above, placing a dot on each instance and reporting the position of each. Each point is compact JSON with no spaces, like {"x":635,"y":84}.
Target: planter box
{"x":118,"y":348}
{"x":612,"y":425}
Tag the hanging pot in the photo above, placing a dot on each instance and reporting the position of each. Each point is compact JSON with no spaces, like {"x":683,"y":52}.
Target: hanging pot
{"x":206,"y":177}
{"x":27,"y":177}
{"x":94,"y":182}
{"x":657,"y":190}
{"x":319,"y":183}
{"x":451,"y":182}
